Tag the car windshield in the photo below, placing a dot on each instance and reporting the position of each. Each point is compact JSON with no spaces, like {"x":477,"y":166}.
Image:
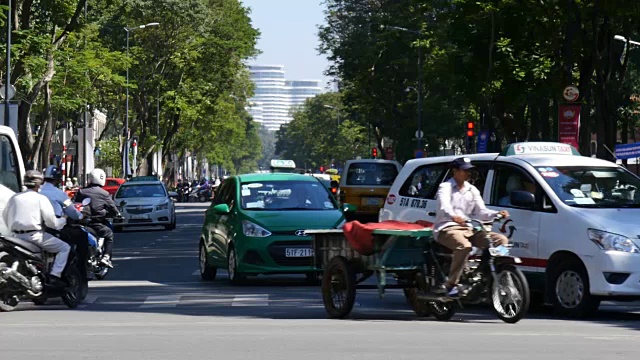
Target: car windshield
{"x":596,"y":187}
{"x":380,"y":174}
{"x":286,"y":195}
{"x":141,"y":191}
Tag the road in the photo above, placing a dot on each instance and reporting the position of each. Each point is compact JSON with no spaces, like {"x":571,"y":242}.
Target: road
{"x":154,"y":306}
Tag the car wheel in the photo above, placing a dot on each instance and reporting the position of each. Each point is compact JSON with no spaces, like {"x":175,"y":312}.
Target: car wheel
{"x":570,"y":292}
{"x":207,"y":272}
{"x":232,"y":267}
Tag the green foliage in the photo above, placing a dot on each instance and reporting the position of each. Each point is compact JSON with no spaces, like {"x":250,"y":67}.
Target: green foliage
{"x":315,"y":139}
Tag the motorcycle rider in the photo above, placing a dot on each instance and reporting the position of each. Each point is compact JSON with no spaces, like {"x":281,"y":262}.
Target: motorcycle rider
{"x":457,"y":201}
{"x":25,"y":214}
{"x":62,"y":205}
{"x":102,"y":207}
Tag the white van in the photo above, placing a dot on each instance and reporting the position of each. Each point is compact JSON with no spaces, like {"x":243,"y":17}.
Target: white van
{"x":574,"y":220}
{"x":11,"y":171}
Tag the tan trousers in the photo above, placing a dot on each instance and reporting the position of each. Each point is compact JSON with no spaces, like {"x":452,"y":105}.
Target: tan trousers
{"x":460,"y":239}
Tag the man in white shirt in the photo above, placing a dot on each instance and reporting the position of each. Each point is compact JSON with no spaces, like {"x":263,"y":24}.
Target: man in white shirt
{"x":26,"y":214}
{"x":457,"y":201}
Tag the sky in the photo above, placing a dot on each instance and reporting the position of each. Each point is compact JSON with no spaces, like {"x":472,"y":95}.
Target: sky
{"x":289,"y":36}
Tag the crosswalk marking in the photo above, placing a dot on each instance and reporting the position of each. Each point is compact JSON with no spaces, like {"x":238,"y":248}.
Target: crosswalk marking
{"x":251,"y":300}
{"x":161,"y":301}
{"x":197,"y":272}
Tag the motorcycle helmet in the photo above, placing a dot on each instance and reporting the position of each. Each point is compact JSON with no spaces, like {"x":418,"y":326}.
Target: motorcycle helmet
{"x":52,"y":172}
{"x":33,"y":178}
{"x":97,"y":177}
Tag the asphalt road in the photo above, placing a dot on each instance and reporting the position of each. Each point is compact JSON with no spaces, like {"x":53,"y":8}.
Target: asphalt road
{"x":154,"y":306}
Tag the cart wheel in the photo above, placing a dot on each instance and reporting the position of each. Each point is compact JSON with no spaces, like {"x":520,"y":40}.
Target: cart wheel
{"x":420,"y":307}
{"x":338,"y":288}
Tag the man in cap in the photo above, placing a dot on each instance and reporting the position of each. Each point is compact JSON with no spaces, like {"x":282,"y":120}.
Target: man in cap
{"x":457,"y":201}
{"x":25,"y":214}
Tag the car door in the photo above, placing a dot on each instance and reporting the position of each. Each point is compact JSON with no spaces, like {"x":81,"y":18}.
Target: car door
{"x":416,"y":196}
{"x":215,"y":226}
{"x":523,"y":226}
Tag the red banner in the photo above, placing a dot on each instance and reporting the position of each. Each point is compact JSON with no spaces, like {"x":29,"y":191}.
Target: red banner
{"x":569,"y":124}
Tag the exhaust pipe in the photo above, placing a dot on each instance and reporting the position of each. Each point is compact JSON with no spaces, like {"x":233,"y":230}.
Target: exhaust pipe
{"x":33,"y":286}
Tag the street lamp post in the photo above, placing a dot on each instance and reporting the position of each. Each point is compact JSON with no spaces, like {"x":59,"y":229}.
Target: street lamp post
{"x":125,"y":162}
{"x":419,"y":90}
{"x":7,"y":83}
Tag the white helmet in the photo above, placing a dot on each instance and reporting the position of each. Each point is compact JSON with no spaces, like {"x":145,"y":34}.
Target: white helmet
{"x":97,"y":177}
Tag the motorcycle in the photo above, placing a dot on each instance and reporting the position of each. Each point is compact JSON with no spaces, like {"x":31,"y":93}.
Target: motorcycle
{"x":492,"y":279}
{"x":96,"y":244}
{"x":24,"y":269}
{"x":183,"y":191}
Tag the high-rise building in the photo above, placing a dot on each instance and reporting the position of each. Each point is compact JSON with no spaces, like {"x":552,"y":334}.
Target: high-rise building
{"x":275,"y":97}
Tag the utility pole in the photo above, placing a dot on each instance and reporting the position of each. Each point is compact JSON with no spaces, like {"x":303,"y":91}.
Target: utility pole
{"x":86,"y":121}
{"x":7,"y":83}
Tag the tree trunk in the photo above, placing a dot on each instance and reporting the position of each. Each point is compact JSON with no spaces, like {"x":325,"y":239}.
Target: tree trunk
{"x":44,"y":142}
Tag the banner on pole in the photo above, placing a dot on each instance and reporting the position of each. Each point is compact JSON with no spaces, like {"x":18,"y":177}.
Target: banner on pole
{"x":569,"y":124}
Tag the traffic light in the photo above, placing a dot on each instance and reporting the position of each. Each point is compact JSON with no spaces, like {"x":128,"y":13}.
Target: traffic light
{"x":321,"y":169}
{"x":374,"y":152}
{"x":470,"y":126}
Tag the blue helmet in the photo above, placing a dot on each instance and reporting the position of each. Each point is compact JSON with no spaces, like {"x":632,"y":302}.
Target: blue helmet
{"x":52,"y":172}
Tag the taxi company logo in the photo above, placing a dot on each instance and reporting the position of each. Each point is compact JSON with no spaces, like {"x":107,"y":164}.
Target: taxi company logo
{"x":300,"y":233}
{"x":391,"y":199}
{"x":519,"y":149}
{"x":557,"y":149}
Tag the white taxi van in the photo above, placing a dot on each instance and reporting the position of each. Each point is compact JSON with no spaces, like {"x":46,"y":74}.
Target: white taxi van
{"x":574,"y":219}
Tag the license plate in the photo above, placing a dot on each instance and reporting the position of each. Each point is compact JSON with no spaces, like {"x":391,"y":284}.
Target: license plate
{"x":372,"y":201}
{"x":138,"y":217}
{"x":298,"y":252}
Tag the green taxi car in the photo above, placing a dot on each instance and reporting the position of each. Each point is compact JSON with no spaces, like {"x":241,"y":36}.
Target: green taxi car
{"x":256,"y":224}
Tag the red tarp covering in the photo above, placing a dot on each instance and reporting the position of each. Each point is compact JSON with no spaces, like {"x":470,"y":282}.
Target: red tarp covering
{"x":360,"y":236}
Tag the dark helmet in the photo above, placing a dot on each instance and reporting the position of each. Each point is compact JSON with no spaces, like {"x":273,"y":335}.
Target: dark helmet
{"x":33,"y":178}
{"x":52,"y":173}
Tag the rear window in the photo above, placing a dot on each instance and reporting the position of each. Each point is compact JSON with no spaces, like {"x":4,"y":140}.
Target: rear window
{"x":374,"y":174}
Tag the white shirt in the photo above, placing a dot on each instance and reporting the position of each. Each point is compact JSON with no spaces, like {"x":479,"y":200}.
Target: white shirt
{"x":27,"y":211}
{"x":453,"y":201}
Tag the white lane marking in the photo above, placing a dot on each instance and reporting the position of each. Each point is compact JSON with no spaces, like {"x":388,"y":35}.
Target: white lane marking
{"x":123,"y":283}
{"x":251,"y":300}
{"x":161,"y":301}
{"x":197,"y":272}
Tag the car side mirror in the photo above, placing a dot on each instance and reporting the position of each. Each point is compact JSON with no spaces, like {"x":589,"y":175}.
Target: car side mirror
{"x":349,"y":208}
{"x":221,"y":209}
{"x":86,"y":201}
{"x":173,"y":194}
{"x":523,"y":199}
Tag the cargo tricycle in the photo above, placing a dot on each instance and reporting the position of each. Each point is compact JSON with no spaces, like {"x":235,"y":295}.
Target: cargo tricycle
{"x":420,"y":266}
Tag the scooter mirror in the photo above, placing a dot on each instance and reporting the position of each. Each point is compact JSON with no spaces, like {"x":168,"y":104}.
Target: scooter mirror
{"x":86,"y":201}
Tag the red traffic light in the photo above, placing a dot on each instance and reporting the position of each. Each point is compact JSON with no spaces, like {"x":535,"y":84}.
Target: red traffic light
{"x":470,"y":133}
{"x":321,"y":168}
{"x":470,"y":125}
{"x":374,"y":152}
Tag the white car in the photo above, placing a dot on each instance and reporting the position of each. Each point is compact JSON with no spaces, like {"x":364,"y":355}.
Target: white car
{"x":573,"y":219}
{"x":145,"y":203}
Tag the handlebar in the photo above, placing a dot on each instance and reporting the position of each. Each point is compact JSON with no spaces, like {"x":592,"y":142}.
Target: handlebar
{"x":474,"y":222}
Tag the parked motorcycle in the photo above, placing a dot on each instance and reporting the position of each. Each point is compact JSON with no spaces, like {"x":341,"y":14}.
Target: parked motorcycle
{"x":24,"y":269}
{"x":492,"y":279}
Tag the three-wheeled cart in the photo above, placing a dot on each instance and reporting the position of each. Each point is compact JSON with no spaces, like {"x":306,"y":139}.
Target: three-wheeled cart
{"x":395,"y":252}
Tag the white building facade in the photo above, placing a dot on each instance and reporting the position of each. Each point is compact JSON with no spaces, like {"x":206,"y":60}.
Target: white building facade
{"x":275,"y":97}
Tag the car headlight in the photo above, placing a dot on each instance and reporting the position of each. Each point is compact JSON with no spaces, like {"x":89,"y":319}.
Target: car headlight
{"x":253,"y":230}
{"x":164,"y":206}
{"x":609,"y":241}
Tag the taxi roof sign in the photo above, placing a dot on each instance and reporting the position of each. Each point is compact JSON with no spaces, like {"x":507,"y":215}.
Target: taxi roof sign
{"x":539,"y":148}
{"x":145,"y":178}
{"x":283,"y":164}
